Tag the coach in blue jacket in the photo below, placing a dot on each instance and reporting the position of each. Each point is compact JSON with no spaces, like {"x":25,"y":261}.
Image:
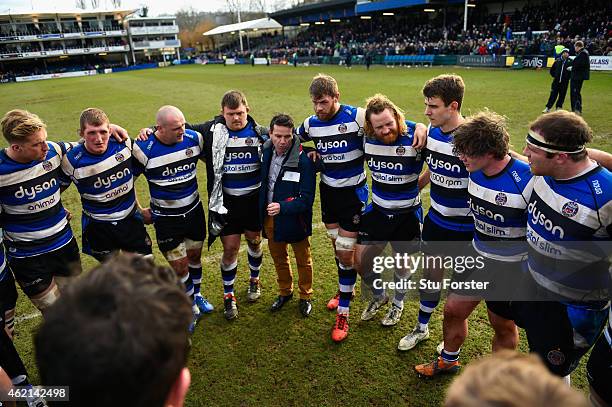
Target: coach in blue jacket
{"x":285,"y":206}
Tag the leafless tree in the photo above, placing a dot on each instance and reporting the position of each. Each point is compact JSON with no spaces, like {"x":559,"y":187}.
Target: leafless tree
{"x":189,"y":18}
{"x":94,"y":4}
{"x":257,"y":5}
{"x":116,"y":3}
{"x":233,"y":5}
{"x":82,"y":4}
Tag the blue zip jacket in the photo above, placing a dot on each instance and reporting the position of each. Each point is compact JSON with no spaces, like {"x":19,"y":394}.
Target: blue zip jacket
{"x":294,"y":190}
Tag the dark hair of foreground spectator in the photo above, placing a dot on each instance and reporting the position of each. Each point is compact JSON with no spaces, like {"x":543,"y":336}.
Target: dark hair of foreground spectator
{"x":117,"y":336}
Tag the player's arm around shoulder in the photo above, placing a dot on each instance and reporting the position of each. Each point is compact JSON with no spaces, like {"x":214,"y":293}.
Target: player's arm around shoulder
{"x":420,"y":135}
{"x":604,"y":159}
{"x":203,"y":128}
{"x":303,"y":131}
{"x":66,"y":175}
{"x":206,"y":132}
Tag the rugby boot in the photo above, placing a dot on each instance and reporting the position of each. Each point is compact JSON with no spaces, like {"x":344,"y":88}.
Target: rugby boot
{"x":340,"y":329}
{"x":437,"y":367}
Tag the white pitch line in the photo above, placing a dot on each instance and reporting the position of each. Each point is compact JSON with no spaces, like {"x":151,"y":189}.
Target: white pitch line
{"x":27,"y":317}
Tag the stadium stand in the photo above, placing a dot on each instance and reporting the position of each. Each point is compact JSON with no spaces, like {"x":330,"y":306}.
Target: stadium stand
{"x":68,"y":41}
{"x":532,"y":29}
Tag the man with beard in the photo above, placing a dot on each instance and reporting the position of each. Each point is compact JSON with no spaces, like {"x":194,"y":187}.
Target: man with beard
{"x":334,"y":129}
{"x":394,"y":216}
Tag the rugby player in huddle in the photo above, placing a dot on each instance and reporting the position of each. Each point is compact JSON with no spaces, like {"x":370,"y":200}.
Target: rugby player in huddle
{"x":102,"y":171}
{"x":499,"y":189}
{"x":41,"y":249}
{"x":569,"y":229}
{"x":233,"y":143}
{"x":335,"y":131}
{"x":231,"y":149}
{"x":394,"y":216}
{"x":449,"y":218}
{"x":168,"y":159}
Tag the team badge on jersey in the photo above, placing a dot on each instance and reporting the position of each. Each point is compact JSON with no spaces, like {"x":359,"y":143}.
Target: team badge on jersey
{"x":570,"y":209}
{"x":401,"y":150}
{"x":501,"y":199}
{"x":119,"y":157}
{"x":248,"y":141}
{"x":356,"y":219}
{"x":47,"y":166}
{"x":342,"y":128}
{"x":189,"y":152}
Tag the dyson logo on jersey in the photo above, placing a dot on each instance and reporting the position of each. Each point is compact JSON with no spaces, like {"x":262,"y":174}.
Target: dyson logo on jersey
{"x":173,"y":171}
{"x":384,"y":165}
{"x":538,"y":218}
{"x":480,"y":210}
{"x":323,"y":146}
{"x":108,"y":181}
{"x":31,"y":192}
{"x":434,"y":164}
{"x":238,"y":156}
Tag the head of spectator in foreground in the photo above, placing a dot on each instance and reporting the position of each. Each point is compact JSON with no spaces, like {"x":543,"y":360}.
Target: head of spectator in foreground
{"x":26,"y":135}
{"x":94,"y":130}
{"x":481,"y":140}
{"x":281,"y":133}
{"x":510,"y":379}
{"x":118,"y":336}
{"x":325,"y":96}
{"x":557,"y":141}
{"x":443,"y":98}
{"x":235,"y":110}
{"x":383,"y":119}
{"x":170,"y":125}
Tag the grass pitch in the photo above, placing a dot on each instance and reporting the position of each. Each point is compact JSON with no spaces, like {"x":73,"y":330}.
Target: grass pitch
{"x":281,"y":358}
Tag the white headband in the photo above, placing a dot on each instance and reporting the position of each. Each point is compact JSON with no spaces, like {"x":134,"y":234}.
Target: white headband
{"x":538,"y":141}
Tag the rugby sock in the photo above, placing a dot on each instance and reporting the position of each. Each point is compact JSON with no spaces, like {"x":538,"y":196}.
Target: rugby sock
{"x":347,"y":277}
{"x":11,"y":362}
{"x":450,"y":356}
{"x":186,"y":280}
{"x":9,"y":322}
{"x":368,"y":281}
{"x":254,"y":257}
{"x":428,"y":303}
{"x":400,"y":293}
{"x":228,"y":273}
{"x":195,"y":271}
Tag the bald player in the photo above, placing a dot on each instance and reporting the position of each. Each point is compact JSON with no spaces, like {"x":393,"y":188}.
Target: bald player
{"x":169,"y":160}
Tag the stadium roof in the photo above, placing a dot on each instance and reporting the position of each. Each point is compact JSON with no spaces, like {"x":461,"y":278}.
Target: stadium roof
{"x":312,"y":7}
{"x":323,"y":11}
{"x":370,"y":6}
{"x":65,"y":12}
{"x":259,"y":24}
